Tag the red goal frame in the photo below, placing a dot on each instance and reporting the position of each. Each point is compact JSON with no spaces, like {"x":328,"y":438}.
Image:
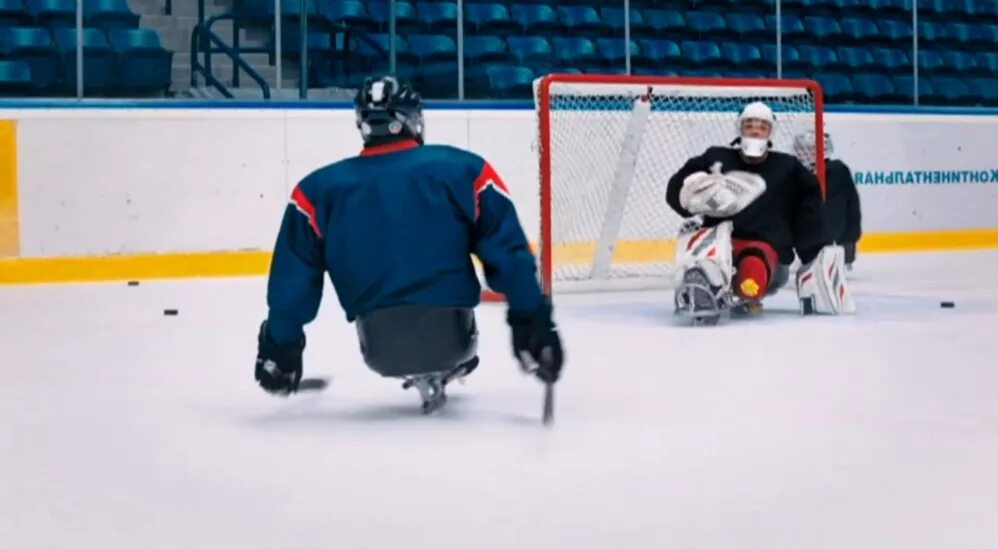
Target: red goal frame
{"x":544,"y":122}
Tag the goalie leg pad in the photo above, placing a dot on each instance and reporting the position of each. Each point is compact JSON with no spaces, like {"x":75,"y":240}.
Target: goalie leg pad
{"x":756,"y":263}
{"x":705,"y":270}
{"x":821,"y":284}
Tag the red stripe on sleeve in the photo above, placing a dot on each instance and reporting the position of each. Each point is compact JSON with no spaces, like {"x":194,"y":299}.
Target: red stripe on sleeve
{"x":488,"y":178}
{"x":305,"y":206}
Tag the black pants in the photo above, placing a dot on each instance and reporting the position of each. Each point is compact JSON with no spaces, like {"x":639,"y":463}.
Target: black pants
{"x":417,"y":339}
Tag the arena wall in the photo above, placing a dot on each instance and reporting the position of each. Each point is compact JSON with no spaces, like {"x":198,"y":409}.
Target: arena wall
{"x":173,"y":190}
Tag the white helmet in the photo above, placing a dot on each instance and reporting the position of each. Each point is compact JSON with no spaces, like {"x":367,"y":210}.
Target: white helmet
{"x":804,"y":145}
{"x":755,"y":147}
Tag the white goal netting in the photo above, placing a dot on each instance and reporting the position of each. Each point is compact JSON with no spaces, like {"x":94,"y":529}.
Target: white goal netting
{"x":610,"y":146}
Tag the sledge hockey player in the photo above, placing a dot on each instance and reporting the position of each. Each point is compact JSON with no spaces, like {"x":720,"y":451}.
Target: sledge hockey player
{"x":759,"y":206}
{"x":395,"y":228}
{"x":842,"y":211}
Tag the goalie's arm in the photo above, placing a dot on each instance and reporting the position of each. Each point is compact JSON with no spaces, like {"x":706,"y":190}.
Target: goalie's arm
{"x":693,"y":165}
{"x":809,"y":224}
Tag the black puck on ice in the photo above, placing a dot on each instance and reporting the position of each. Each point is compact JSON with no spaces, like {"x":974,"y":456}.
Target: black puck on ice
{"x":170,"y":312}
{"x":947,"y":304}
{"x":133,"y":282}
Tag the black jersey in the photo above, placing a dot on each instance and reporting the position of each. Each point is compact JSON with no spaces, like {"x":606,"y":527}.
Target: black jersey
{"x":841,"y":204}
{"x":789,"y":215}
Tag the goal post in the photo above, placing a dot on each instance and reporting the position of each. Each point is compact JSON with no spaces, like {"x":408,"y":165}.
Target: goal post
{"x":608,"y":145}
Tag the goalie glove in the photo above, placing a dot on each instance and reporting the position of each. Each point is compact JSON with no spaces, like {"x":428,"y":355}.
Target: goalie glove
{"x":720,"y":195}
{"x":821,"y":284}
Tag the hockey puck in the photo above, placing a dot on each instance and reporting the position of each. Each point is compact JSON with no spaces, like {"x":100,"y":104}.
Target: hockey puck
{"x":170,"y":312}
{"x":947,"y":304}
{"x":133,"y":282}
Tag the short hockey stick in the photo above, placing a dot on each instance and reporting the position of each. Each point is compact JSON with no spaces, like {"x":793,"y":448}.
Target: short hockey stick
{"x":548,"y":418}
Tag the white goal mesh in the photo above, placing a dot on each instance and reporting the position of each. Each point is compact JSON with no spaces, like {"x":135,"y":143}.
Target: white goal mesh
{"x":609,"y":145}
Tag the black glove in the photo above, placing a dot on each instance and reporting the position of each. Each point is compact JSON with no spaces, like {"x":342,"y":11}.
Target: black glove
{"x":278,"y":367}
{"x":536,"y":343}
{"x":850,"y":254}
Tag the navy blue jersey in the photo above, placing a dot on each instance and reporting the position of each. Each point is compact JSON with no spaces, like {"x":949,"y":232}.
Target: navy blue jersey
{"x":397,"y":226}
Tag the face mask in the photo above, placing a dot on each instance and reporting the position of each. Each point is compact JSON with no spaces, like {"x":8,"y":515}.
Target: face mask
{"x":754,"y":147}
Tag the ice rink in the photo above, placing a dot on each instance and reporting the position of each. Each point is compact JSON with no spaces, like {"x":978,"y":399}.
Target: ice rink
{"x":122,"y":428}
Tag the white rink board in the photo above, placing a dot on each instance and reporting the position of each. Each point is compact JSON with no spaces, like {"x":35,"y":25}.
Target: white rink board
{"x":173,"y":180}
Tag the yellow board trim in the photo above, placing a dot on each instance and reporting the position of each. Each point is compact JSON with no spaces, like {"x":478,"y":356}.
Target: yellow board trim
{"x":10,"y":236}
{"x":32,"y":270}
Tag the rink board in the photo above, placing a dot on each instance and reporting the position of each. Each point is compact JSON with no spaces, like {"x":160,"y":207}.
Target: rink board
{"x":153,"y":192}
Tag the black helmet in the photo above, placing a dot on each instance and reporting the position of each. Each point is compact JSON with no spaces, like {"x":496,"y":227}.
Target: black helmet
{"x":388,"y":108}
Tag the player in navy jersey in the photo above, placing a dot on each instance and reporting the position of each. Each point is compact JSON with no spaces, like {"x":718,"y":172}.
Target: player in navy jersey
{"x":394,"y":228}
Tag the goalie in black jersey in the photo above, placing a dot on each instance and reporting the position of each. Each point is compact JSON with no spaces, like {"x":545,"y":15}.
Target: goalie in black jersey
{"x":842,"y":212}
{"x":759,"y":208}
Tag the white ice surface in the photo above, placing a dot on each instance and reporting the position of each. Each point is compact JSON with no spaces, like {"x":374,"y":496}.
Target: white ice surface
{"x":123,"y":428}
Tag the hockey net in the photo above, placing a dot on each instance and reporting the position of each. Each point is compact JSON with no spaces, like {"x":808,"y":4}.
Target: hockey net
{"x":608,"y":146}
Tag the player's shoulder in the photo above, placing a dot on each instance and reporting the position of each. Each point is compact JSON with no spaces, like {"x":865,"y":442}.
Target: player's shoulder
{"x":450,"y":153}
{"x":717,"y":152}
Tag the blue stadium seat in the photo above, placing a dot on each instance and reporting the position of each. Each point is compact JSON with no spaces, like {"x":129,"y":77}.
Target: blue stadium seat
{"x":988,"y":60}
{"x":15,"y":78}
{"x":348,"y":12}
{"x":319,"y":43}
{"x":437,"y":17}
{"x":699,"y":73}
{"x":489,"y":18}
{"x":859,"y":30}
{"x":659,"y":53}
{"x":836,"y":87}
{"x":374,"y":49}
{"x":748,"y":26}
{"x":510,"y":82}
{"x":701,"y":54}
{"x":958,"y":62}
{"x":654,"y":71}
{"x":98,"y":59}
{"x":952,"y":91}
{"x":143,"y":64}
{"x":791,"y":57}
{"x":530,"y":50}
{"x":742,"y":55}
{"x":666,"y":23}
{"x":895,"y":31}
{"x":615,"y":18}
{"x":535,"y":19}
{"x":13,"y":13}
{"x":987,"y":35}
{"x":485,"y":49}
{"x":706,"y":24}
{"x":814,"y":7}
{"x":819,"y":58}
{"x":985,"y":90}
{"x":261,"y":12}
{"x":580,"y":50}
{"x":931,"y":7}
{"x":988,"y":8}
{"x":824,"y":29}
{"x":888,"y":7}
{"x":381,"y":14}
{"x":792,"y":26}
{"x":891,"y":59}
{"x":904,"y":86}
{"x":960,"y":9}
{"x":109,"y":14}
{"x":856,"y":59}
{"x":582,"y":20}
{"x":873,"y":88}
{"x":430,"y":48}
{"x":960,"y":34}
{"x":53,"y":13}
{"x":930,"y":61}
{"x":34,"y":47}
{"x":612,"y":51}
{"x":931,"y":33}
